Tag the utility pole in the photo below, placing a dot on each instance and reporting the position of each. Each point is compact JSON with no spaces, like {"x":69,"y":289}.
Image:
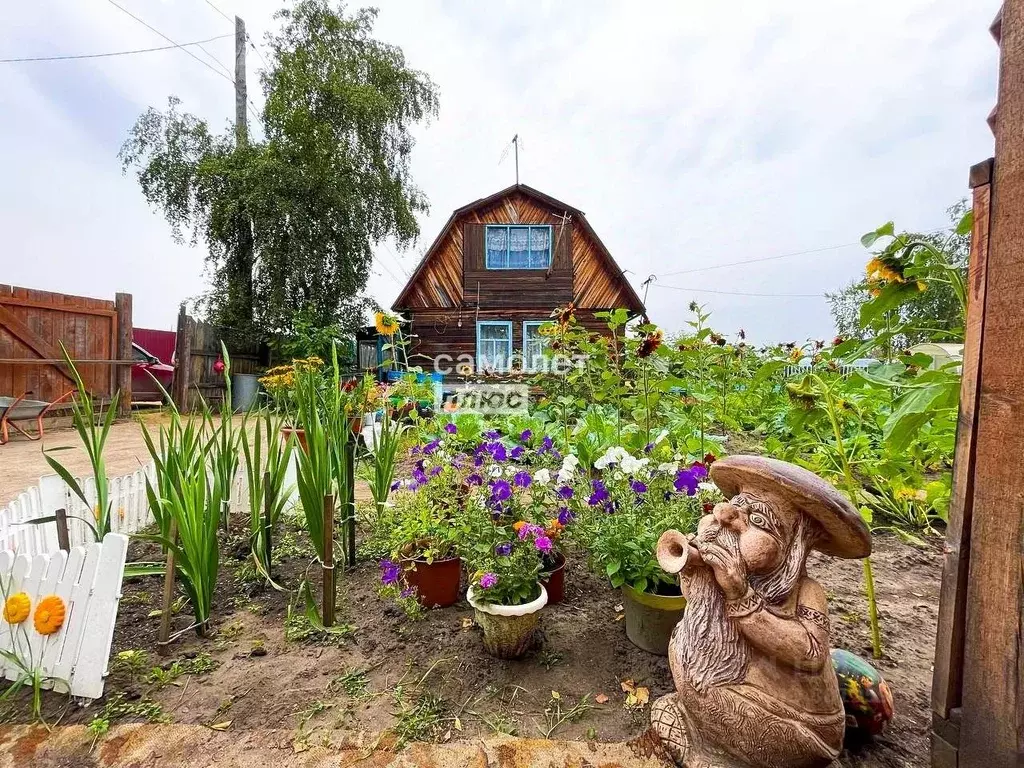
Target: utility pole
{"x":241,"y":131}
{"x":515,"y":140}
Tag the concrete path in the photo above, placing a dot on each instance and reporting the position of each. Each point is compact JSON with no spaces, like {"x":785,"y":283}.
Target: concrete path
{"x":195,"y":746}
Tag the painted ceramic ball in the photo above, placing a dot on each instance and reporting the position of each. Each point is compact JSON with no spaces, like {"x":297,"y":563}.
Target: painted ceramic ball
{"x":866,"y":696}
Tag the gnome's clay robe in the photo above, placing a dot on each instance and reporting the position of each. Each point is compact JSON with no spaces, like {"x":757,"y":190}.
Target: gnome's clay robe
{"x":750,"y":658}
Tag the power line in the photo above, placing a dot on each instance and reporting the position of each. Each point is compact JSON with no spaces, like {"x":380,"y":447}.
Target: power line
{"x":111,"y":53}
{"x":740,"y":293}
{"x":395,"y":258}
{"x":781,"y":256}
{"x":218,"y":10}
{"x":253,"y":46}
{"x":169,"y":40}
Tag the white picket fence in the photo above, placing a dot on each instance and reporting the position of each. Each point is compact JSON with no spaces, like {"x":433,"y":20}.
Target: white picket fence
{"x":130,"y":512}
{"x":88,"y":580}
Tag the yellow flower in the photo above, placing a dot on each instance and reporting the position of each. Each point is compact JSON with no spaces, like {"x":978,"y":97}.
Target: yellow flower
{"x":49,"y":616}
{"x":922,"y":286}
{"x":796,"y":355}
{"x":387,"y":325}
{"x":17,"y":607}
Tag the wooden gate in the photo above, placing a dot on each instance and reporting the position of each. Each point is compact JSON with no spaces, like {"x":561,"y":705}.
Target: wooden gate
{"x":95,"y":331}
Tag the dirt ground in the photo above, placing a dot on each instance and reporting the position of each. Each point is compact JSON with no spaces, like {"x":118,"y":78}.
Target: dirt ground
{"x":22,"y":462}
{"x":429,"y":680}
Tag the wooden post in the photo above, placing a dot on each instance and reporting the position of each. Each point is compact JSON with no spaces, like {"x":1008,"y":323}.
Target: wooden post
{"x":123,"y":305}
{"x":267,"y":522}
{"x":164,"y":636}
{"x":949,"y":647}
{"x":350,"y":500}
{"x":63,"y":538}
{"x":182,"y":361}
{"x":328,"y":565}
{"x":991,"y":513}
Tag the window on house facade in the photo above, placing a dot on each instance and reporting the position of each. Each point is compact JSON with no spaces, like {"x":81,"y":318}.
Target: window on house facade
{"x":493,"y":345}
{"x":533,"y":345}
{"x":518,"y":246}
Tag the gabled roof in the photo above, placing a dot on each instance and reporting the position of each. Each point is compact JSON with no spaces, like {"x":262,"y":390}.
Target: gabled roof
{"x":636,"y":306}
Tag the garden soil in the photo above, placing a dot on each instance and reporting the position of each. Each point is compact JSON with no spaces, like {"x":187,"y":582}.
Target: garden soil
{"x":429,"y":680}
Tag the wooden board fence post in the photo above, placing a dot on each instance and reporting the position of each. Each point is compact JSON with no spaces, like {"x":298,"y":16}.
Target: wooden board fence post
{"x":328,"y":565}
{"x":63,"y":537}
{"x":182,"y":361}
{"x":123,"y":305}
{"x":164,"y":638}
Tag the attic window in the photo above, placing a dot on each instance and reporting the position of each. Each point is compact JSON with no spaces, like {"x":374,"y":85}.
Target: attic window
{"x":518,"y":247}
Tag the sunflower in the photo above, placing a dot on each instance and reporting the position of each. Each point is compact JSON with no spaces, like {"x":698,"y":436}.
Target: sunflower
{"x":49,"y":616}
{"x":565,"y":314}
{"x":387,"y":325}
{"x":795,"y":355}
{"x":650,"y":343}
{"x":17,"y":607}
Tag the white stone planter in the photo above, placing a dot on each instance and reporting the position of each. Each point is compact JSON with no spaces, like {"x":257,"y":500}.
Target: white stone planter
{"x":509,"y":630}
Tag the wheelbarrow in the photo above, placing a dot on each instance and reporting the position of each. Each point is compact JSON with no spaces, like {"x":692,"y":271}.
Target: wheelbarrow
{"x":15,"y":409}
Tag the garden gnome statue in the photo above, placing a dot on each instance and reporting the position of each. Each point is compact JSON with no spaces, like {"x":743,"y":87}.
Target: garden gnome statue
{"x":750,"y":658}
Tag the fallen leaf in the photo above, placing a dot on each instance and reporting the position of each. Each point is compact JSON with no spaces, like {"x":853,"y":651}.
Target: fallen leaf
{"x":458,"y":724}
{"x":601,"y":698}
{"x":467,"y":622}
{"x":556,"y":695}
{"x":620,"y":617}
{"x":154,"y":614}
{"x":628,"y":686}
{"x":643,"y":695}
{"x":221,"y":726}
{"x":300,"y":746}
{"x":619,"y":608}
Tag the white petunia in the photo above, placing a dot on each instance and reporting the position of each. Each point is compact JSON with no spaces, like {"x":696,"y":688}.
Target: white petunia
{"x":661,"y":436}
{"x":631,"y":465}
{"x":542,"y":476}
{"x":669,"y":467}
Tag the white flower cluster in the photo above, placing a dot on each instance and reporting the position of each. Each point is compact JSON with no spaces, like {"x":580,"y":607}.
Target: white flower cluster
{"x":568,"y":470}
{"x":621,"y":457}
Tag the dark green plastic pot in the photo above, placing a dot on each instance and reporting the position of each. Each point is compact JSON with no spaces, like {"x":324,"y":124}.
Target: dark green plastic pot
{"x":650,"y":619}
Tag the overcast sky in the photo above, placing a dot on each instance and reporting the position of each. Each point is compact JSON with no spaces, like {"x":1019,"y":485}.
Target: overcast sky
{"x":692,"y":134}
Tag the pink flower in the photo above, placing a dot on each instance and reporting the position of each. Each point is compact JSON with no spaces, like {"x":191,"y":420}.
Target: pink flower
{"x":488,"y":580}
{"x":543,"y":543}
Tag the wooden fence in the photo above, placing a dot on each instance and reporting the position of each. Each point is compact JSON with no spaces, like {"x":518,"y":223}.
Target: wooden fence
{"x":34,"y":323}
{"x":197,"y":350}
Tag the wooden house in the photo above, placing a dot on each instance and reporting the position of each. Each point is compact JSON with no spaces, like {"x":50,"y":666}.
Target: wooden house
{"x":495,"y":273}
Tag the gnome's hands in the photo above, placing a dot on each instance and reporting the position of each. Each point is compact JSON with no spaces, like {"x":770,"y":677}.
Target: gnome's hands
{"x":730,"y":570}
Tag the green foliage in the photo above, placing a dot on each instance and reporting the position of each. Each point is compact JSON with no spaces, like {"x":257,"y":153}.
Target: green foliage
{"x":266,"y":465}
{"x":290,"y":221}
{"x":383,"y":459}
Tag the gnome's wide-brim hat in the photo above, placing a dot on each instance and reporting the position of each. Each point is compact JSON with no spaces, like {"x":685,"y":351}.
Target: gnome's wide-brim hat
{"x":846,"y":535}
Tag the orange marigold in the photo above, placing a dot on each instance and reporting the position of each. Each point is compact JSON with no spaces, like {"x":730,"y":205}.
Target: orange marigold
{"x":49,"y":616}
{"x":517,"y":525}
{"x":17,"y":608}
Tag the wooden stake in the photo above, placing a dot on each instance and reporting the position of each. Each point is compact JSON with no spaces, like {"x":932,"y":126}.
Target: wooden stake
{"x":163,"y":639}
{"x":267,"y":522}
{"x":63,"y":539}
{"x":328,"y":566}
{"x":350,"y":501}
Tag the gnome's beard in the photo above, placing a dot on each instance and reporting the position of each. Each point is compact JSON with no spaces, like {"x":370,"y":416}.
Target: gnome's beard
{"x":713,"y":653}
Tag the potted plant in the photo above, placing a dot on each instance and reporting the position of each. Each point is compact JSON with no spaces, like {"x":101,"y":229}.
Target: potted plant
{"x":419,"y":529}
{"x":620,"y":516}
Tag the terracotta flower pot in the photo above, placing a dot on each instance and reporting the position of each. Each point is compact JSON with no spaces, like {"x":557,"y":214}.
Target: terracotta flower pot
{"x":555,"y":583}
{"x":300,"y":433}
{"x":651,"y":618}
{"x":436,"y":583}
{"x":510,"y":631}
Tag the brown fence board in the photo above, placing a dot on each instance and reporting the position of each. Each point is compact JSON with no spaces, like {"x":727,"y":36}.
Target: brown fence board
{"x":34,"y":323}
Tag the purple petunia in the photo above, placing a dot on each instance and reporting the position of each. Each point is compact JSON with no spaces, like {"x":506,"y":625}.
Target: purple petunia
{"x":686,"y":481}
{"x":432,"y":446}
{"x":600,"y":493}
{"x":503,"y":550}
{"x":525,"y":436}
{"x":516,"y":453}
{"x":649,"y":447}
{"x":522,"y":479}
{"x":638,"y":487}
{"x":492,"y":434}
{"x":435,"y":471}
{"x":474,"y":479}
{"x":546,"y":445}
{"x":699,"y":470}
{"x":396,"y":485}
{"x":488,"y":580}
{"x":566,"y":492}
{"x":390,"y":572}
{"x":419,"y":476}
{"x":543,"y":543}
{"x":500,"y":490}
{"x":498,"y":453}
{"x":565,"y":516}
{"x":525,"y":531}
{"x":450,"y":428}
{"x":478,"y":461}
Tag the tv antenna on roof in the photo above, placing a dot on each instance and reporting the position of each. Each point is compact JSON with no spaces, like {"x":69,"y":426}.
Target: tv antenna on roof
{"x":517,"y":143}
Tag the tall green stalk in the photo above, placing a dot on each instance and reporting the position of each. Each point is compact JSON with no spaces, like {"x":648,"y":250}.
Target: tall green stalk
{"x":94,"y":439}
{"x":315,"y":470}
{"x":384,"y":460}
{"x":222,"y":448}
{"x":266,"y":467}
{"x":851,"y":491}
